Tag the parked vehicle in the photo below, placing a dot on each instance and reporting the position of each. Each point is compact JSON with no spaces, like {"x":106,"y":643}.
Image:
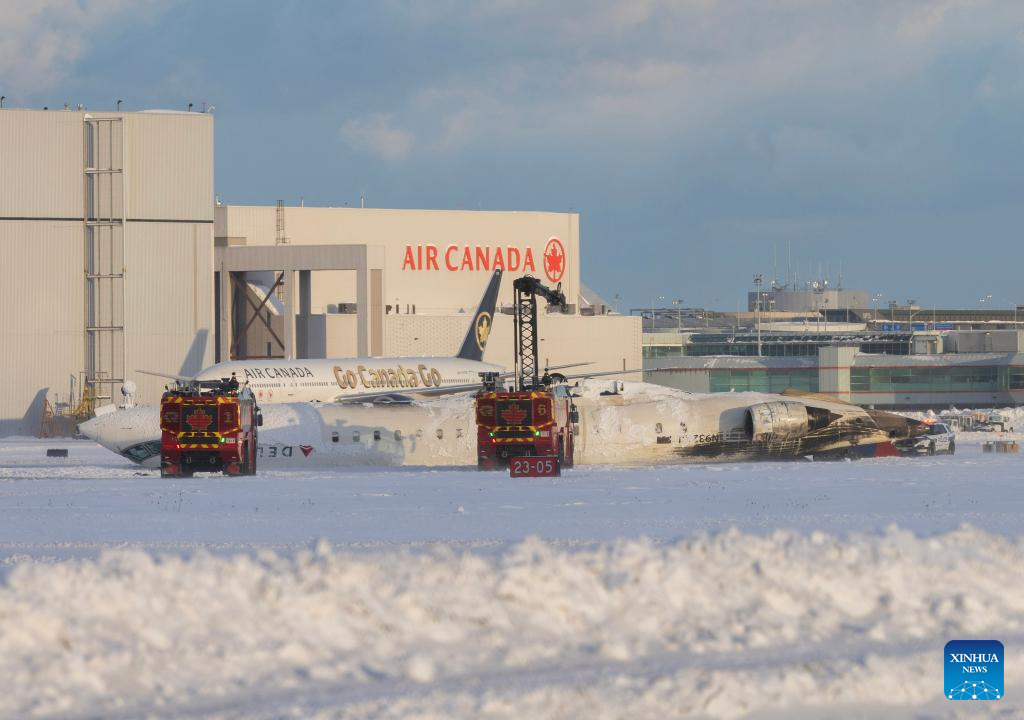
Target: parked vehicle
{"x":938,"y":439}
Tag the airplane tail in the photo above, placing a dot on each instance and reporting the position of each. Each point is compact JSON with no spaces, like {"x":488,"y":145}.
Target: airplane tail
{"x":480,"y":328}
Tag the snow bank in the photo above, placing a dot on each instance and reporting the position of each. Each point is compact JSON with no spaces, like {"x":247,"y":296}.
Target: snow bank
{"x":719,"y":625}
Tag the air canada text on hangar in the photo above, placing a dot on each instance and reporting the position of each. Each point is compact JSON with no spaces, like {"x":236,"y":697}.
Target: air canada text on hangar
{"x":456,"y":258}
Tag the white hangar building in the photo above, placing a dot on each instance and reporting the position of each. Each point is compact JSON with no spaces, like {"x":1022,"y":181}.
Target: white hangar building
{"x":106,"y":242}
{"x":118,"y":259}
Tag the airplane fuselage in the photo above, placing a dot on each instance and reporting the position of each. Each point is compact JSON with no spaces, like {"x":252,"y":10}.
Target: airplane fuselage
{"x":332,"y":379}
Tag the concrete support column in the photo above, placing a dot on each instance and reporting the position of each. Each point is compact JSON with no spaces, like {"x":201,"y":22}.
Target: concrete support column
{"x":834,"y":365}
{"x":376,"y":313}
{"x":289,"y":314}
{"x":239,"y":314}
{"x":305,"y":305}
{"x":362,"y":310}
{"x":223,"y":313}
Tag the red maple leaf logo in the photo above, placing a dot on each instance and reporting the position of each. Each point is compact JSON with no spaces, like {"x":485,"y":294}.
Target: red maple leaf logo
{"x":554,"y":260}
{"x":199,"y":420}
{"x":513,"y":414}
{"x":306,"y":449}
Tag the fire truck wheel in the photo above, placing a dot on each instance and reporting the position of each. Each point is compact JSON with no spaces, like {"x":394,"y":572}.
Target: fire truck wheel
{"x":250,"y":465}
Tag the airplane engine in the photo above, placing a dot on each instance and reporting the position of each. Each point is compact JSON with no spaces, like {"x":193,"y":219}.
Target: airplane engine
{"x":782,"y":420}
{"x":785,"y":420}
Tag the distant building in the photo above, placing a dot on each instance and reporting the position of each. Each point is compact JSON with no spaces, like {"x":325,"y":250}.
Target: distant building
{"x":893,"y":370}
{"x":817,"y":296}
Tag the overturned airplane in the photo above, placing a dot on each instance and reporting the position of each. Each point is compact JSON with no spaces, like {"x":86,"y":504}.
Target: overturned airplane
{"x":622,"y":423}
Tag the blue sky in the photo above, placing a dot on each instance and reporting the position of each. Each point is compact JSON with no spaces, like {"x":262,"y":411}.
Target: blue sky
{"x":695,"y":138}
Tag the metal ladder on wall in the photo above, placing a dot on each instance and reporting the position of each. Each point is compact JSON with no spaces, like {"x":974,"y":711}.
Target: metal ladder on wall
{"x":104,"y":215}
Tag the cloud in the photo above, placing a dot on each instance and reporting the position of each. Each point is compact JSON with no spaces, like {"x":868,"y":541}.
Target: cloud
{"x":41,"y":40}
{"x":376,"y":135}
{"x":665,"y":67}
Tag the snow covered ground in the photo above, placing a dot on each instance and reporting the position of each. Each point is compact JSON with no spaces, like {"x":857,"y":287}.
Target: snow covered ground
{"x":765,"y":590}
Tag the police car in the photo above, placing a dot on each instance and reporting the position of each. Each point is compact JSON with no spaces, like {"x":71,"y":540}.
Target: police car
{"x":939,"y":438}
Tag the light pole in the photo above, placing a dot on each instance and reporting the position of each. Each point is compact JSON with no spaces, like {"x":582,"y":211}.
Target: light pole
{"x":660,"y":297}
{"x":874,"y":304}
{"x":987,"y":302}
{"x":679,"y":314}
{"x":981,"y":305}
{"x":758,"y":279}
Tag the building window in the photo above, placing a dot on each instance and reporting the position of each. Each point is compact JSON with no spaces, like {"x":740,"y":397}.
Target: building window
{"x":860,"y":379}
{"x":1016,"y":378}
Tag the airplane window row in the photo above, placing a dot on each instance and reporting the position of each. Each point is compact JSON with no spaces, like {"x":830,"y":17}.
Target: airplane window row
{"x":357,"y":436}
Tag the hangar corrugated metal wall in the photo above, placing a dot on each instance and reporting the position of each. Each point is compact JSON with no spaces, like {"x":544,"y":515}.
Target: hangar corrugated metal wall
{"x":106,"y":240}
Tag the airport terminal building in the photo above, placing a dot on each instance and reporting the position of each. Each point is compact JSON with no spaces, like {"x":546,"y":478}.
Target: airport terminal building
{"x":119,"y":259}
{"x":890,"y":369}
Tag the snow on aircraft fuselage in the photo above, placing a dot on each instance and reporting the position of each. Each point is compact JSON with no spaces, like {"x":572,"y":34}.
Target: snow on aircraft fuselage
{"x":643,"y":424}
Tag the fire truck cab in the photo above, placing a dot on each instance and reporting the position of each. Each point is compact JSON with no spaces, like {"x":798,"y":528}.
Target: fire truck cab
{"x":534,"y":423}
{"x":208,"y":426}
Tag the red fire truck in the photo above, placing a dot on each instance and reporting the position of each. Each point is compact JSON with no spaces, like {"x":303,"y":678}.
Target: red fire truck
{"x":208,"y":426}
{"x":529,"y":429}
{"x":512,"y":426}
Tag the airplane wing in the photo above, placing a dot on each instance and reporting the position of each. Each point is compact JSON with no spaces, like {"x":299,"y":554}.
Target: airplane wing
{"x":566,"y":366}
{"x":603,"y":373}
{"x":809,"y":395}
{"x":895,"y":426}
{"x":169,"y":376}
